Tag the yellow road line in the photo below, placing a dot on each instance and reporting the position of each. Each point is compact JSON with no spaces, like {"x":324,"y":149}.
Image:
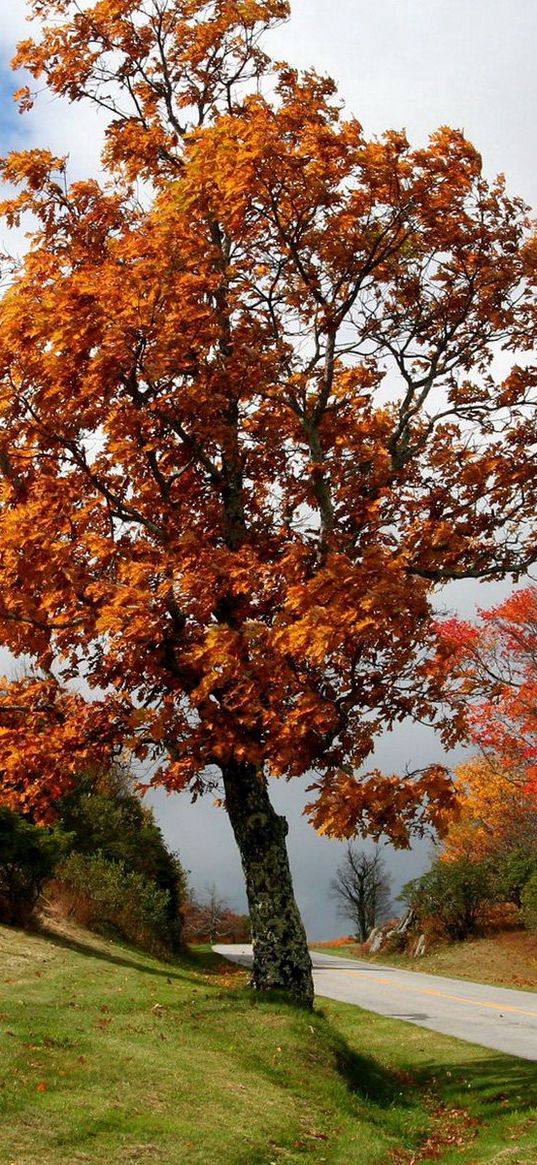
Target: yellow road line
{"x":441,"y":994}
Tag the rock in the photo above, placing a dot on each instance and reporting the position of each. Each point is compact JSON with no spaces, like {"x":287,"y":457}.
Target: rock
{"x":375,"y":940}
{"x":419,"y":949}
{"x":405,"y":923}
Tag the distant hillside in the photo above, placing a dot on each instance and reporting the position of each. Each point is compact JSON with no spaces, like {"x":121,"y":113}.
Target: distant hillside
{"x":507,"y":959}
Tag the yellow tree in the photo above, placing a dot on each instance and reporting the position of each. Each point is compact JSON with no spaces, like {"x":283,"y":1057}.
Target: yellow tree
{"x":496,"y":812}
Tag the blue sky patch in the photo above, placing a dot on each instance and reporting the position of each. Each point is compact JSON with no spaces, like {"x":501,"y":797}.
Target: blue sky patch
{"x":13,"y":129}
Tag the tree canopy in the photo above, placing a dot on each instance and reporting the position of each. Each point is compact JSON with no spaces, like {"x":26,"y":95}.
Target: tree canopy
{"x":250,"y":420}
{"x":494,"y":672}
{"x":497,"y":813}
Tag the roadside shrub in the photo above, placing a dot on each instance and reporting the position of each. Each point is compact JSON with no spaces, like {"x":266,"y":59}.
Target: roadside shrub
{"x":108,"y":897}
{"x":105,"y":816}
{"x":499,"y":917}
{"x":454,"y":894}
{"x":529,"y":903}
{"x":28,"y":855}
{"x":514,"y":871}
{"x":396,"y":942}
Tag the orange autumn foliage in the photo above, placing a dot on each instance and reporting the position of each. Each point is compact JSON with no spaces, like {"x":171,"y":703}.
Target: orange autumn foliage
{"x":496,"y":813}
{"x":248,"y":417}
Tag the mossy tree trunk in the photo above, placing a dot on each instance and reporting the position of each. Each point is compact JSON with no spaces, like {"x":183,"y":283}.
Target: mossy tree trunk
{"x":281,"y":956}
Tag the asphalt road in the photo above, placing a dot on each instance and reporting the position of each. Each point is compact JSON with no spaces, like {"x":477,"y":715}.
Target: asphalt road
{"x":494,"y":1017}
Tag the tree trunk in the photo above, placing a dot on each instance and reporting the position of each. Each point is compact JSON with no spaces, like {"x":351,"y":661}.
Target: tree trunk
{"x":281,"y":956}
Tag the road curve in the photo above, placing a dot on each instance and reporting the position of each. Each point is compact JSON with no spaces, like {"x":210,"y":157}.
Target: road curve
{"x":495,"y":1017}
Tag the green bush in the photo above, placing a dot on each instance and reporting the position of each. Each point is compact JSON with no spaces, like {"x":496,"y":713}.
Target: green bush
{"x":529,"y":903}
{"x":108,"y":897}
{"x":28,"y":855}
{"x":452,"y":894}
{"x":514,"y":871}
{"x":104,"y":816}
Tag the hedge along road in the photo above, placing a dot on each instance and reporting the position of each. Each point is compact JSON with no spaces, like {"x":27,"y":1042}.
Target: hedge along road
{"x":494,"y":1017}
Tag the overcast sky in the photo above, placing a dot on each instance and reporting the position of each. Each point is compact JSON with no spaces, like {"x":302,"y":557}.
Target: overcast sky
{"x":413,"y":64}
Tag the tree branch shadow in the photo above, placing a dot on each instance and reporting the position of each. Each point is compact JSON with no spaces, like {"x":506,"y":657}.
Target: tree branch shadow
{"x":498,"y":1084}
{"x":133,"y":959}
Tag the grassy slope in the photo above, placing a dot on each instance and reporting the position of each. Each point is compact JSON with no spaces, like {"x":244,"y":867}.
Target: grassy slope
{"x":507,"y":959}
{"x":109,"y":1056}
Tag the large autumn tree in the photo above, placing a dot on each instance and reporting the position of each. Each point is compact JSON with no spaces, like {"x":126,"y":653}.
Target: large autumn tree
{"x":250,"y":423}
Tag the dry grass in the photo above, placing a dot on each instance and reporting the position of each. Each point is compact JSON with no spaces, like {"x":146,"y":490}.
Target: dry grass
{"x":506,"y":959}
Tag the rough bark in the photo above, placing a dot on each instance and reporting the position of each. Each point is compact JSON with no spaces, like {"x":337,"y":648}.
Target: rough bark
{"x":281,"y":956}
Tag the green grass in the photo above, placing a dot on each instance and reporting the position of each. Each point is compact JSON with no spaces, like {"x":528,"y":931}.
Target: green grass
{"x":107,"y":1055}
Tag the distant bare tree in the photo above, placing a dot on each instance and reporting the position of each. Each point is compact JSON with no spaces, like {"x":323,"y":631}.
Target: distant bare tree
{"x":210,"y":919}
{"x":362,"y":888}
